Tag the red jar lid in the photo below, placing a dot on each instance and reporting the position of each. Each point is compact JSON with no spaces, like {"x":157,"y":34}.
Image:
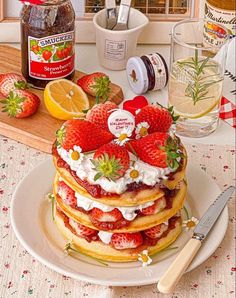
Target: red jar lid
{"x":35,"y":2}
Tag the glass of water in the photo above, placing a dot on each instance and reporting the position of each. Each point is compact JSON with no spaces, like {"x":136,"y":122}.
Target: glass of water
{"x":198,"y":58}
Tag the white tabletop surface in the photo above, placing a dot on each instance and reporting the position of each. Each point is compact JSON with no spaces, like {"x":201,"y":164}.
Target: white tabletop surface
{"x":87,"y":61}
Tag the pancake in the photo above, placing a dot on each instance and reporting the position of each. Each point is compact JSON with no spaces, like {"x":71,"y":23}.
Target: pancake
{"x":140,"y":223}
{"x":128,"y":198}
{"x":99,"y":250}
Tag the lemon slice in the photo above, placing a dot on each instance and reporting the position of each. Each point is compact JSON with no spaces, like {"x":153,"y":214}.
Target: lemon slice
{"x":65,"y":100}
{"x":184,"y":106}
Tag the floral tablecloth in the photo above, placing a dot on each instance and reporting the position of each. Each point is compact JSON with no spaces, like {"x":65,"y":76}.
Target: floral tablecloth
{"x":23,"y":276}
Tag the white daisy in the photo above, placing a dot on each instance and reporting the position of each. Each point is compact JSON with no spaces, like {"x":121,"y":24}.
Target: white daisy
{"x":123,"y":136}
{"x":142,"y":130}
{"x":75,"y":155}
{"x":134,"y":174}
{"x":144,"y":258}
{"x":190,"y":223}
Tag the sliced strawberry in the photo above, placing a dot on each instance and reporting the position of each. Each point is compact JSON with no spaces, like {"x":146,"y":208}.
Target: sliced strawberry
{"x":96,"y":84}
{"x":159,"y":205}
{"x":100,"y":113}
{"x":111,"y":216}
{"x":67,"y":194}
{"x":111,"y":161}
{"x":126,"y":240}
{"x":82,"y":133}
{"x":157,"y":149}
{"x":11,"y":82}
{"x":156,"y":231}
{"x":21,"y":104}
{"x":158,"y":118}
{"x":81,"y":230}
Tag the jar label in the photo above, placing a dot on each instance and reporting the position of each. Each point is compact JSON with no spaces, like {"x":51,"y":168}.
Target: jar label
{"x":51,"y":57}
{"x":213,"y":34}
{"x":160,"y":71}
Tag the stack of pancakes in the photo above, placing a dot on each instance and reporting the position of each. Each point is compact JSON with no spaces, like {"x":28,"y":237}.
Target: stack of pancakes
{"x":97,"y":241}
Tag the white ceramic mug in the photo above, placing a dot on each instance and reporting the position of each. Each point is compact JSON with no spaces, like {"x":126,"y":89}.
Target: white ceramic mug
{"x":114,"y":48}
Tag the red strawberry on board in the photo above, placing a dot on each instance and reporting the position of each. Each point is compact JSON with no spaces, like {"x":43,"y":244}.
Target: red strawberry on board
{"x":82,"y":133}
{"x":96,"y":84}
{"x":67,"y":194}
{"x":126,"y":240}
{"x":158,"y":205}
{"x":11,"y":82}
{"x":20,"y":104}
{"x":158,"y":118}
{"x":101,"y":216}
{"x":100,"y":113}
{"x":111,"y":161}
{"x":156,"y":231}
{"x":158,"y":149}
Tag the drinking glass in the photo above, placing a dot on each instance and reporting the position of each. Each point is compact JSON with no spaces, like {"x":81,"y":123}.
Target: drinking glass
{"x":198,"y":58}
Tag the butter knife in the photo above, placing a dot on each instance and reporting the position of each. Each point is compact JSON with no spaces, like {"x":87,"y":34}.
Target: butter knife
{"x":170,"y":279}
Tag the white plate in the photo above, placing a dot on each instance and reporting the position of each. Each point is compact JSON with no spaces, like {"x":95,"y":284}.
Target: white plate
{"x":32,"y":222}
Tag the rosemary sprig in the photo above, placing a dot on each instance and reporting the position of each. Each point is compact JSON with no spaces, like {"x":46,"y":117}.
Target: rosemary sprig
{"x":198,"y":87}
{"x":69,"y":247}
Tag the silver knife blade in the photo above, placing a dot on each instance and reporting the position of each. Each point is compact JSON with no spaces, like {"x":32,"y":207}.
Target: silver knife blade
{"x":210,"y":216}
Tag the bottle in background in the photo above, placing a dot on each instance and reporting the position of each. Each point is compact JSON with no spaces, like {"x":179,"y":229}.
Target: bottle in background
{"x":221,"y":12}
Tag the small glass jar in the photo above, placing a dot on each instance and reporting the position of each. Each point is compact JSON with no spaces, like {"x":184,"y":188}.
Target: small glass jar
{"x":147,"y":73}
{"x":47,"y":41}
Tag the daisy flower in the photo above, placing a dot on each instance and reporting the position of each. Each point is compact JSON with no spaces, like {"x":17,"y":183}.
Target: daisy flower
{"x":76,"y":154}
{"x":144,"y":258}
{"x":190,"y":223}
{"x":142,"y":130}
{"x":123,"y":136}
{"x":134,"y":174}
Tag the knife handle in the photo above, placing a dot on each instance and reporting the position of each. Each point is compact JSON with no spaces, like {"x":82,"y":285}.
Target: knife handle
{"x":170,"y":279}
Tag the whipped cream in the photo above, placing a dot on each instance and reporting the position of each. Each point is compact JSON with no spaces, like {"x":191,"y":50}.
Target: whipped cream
{"x":105,"y":237}
{"x":150,"y":175}
{"x":129,"y":213}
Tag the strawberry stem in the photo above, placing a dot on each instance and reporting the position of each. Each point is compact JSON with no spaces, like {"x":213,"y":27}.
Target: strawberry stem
{"x":102,"y":88}
{"x":68,"y":247}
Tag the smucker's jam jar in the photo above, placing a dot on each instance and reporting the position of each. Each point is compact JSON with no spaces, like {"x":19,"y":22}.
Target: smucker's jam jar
{"x":47,"y":41}
{"x":147,"y":73}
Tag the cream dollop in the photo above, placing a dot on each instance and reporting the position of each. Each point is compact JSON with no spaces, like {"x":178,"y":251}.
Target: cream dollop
{"x":129,"y":213}
{"x":105,"y":237}
{"x":84,"y":170}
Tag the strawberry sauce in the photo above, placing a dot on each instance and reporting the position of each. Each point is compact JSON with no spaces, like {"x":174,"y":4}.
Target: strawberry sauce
{"x":146,"y":240}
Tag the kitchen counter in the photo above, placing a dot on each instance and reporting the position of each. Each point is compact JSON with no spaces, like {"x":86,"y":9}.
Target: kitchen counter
{"x":87,"y":62}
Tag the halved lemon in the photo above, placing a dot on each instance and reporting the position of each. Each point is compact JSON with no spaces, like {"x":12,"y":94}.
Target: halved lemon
{"x":65,"y":100}
{"x":184,"y":106}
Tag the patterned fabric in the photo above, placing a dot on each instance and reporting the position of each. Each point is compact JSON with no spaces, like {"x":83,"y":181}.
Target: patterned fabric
{"x":22,"y":276}
{"x":228,"y":112}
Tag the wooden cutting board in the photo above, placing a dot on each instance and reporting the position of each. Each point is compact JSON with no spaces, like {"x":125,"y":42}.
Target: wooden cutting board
{"x":37,"y":131}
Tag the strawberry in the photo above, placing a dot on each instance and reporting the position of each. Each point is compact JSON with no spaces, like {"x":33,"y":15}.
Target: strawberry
{"x":96,"y":84}
{"x":20,"y":104}
{"x":157,"y":149}
{"x":111,"y":161}
{"x":158,"y":205}
{"x":157,"y":231}
{"x":83,"y":231}
{"x":158,"y":118}
{"x":100,"y":113}
{"x":67,"y":194}
{"x":47,"y":55}
{"x":101,"y":216}
{"x":126,"y":240}
{"x":11,"y":82}
{"x":82,"y":133}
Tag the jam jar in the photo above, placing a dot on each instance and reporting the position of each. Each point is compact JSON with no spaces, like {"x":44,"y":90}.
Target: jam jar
{"x":47,"y":41}
{"x":147,"y":73}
